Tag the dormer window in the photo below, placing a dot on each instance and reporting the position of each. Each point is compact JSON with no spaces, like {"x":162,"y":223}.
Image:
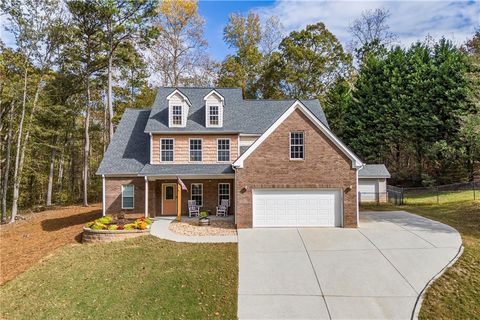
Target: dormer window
{"x":178,"y":105}
{"x":214,"y":105}
{"x":213,"y":115}
{"x":177,"y":115}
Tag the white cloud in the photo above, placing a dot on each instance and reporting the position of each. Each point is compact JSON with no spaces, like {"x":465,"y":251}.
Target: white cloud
{"x":411,"y":20}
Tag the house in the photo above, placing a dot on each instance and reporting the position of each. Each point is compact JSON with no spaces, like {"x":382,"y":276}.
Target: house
{"x":372,"y":183}
{"x":276,"y":161}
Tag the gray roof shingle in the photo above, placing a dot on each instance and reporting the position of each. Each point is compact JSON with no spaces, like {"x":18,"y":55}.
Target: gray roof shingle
{"x":128,"y":152}
{"x":129,"y":149}
{"x":240,"y":115}
{"x":186,"y":169}
{"x":374,"y":170}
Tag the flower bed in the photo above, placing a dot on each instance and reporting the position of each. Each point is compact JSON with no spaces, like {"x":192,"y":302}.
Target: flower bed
{"x":106,"y":229}
{"x":217,"y":227}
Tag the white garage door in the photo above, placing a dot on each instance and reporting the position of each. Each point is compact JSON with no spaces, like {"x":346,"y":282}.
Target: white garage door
{"x":296,"y":208}
{"x":368,"y":189}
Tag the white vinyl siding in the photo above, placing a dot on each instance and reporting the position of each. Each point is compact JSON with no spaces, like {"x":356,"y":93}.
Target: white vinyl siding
{"x":223,"y":150}
{"x":196,"y":193}
{"x":128,"y":200}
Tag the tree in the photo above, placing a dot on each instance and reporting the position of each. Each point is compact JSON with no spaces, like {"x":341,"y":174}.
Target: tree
{"x":178,"y":54}
{"x":310,"y":61}
{"x":85,"y":59}
{"x":124,"y":21}
{"x":371,"y":32}
{"x":36,"y":27}
{"x":243,"y":33}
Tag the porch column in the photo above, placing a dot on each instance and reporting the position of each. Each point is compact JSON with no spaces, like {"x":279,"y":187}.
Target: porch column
{"x":146,"y":197}
{"x":103,"y":195}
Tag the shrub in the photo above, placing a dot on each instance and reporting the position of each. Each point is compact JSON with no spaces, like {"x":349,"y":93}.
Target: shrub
{"x":129,"y":226}
{"x":203,"y":214}
{"x":113,"y":227}
{"x":98,"y":226}
{"x":104,"y":220}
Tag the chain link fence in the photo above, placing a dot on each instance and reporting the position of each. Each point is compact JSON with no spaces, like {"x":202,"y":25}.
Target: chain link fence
{"x":434,"y":195}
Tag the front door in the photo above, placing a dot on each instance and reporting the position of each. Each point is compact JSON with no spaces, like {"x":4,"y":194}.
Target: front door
{"x":169,"y":199}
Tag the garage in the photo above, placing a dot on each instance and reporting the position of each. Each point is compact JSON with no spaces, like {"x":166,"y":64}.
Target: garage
{"x":297,"y":208}
{"x":368,"y":189}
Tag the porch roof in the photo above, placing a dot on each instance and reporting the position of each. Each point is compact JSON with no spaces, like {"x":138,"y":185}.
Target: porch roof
{"x":186,"y":169}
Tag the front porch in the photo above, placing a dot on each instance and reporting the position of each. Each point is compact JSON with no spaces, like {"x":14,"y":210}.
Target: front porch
{"x":165,"y":196}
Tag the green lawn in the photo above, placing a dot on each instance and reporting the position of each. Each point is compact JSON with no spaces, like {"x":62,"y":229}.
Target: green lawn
{"x":142,"y":278}
{"x":443,"y":197}
{"x":455,"y":295}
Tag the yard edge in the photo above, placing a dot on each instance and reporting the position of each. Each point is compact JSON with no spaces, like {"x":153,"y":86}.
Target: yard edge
{"x":421,"y":296}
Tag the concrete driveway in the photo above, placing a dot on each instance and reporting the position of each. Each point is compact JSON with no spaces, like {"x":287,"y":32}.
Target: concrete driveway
{"x":374,"y":272}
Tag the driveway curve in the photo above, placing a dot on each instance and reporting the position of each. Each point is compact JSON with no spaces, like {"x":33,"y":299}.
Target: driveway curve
{"x":376,"y":271}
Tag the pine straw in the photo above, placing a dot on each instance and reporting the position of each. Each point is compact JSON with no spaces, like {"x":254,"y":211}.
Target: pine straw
{"x":190,"y":227}
{"x":27,"y":241}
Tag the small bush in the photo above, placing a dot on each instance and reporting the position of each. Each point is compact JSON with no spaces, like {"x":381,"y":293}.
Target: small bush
{"x":203,"y":214}
{"x":98,"y":226}
{"x":113,"y":227}
{"x":130,"y":226}
{"x":104,"y":220}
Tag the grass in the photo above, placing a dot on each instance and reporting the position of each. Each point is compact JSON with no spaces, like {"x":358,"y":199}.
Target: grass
{"x":456,"y":294}
{"x":443,"y":197}
{"x":141,"y":278}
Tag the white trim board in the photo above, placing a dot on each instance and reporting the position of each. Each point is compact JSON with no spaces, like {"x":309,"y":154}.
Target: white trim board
{"x":181,"y":94}
{"x":356,"y":162}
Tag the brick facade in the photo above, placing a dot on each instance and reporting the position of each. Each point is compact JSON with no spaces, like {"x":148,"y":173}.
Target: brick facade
{"x":181,"y":148}
{"x":113,"y":195}
{"x":269,"y":166}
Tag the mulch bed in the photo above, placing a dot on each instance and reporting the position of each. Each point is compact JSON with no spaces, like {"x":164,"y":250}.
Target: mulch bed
{"x":190,"y":227}
{"x":27,"y":241}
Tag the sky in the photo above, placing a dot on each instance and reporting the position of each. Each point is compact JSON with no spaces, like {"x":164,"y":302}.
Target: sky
{"x":410,"y":20}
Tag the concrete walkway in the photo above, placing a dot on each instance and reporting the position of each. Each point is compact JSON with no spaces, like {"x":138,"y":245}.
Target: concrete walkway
{"x":377,"y":271}
{"x":160,"y":229}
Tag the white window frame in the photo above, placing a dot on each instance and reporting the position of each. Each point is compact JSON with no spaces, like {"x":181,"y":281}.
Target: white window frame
{"x":210,"y":124}
{"x":133,"y":196}
{"x":229,"y":193}
{"x":201,"y":194}
{"x":173,"y":150}
{"x":176,"y":115}
{"x":189,"y":150}
{"x":229,"y":150}
{"x":290,"y":145}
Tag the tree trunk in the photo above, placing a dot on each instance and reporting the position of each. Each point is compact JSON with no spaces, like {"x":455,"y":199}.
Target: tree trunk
{"x":7,"y":163}
{"x":86,"y":147}
{"x":50,"y":174}
{"x":16,"y":176}
{"x":109,"y":98}
{"x":60,"y":171}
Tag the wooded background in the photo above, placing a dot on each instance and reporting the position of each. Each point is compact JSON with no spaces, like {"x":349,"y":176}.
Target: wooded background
{"x":76,"y":65}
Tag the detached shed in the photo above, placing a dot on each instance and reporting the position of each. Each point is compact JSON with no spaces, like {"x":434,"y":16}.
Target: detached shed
{"x":372,"y":183}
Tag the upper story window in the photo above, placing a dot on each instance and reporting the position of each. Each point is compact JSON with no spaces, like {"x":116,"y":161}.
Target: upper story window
{"x":223,"y":150}
{"x":214,"y":104}
{"x":177,"y":115}
{"x":213,"y":115}
{"x":167,"y":150}
{"x":297,"y":145}
{"x":178,"y":106}
{"x":195,"y":150}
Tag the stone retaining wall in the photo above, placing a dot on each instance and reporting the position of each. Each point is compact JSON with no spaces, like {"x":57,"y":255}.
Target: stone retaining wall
{"x":96,"y":236}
